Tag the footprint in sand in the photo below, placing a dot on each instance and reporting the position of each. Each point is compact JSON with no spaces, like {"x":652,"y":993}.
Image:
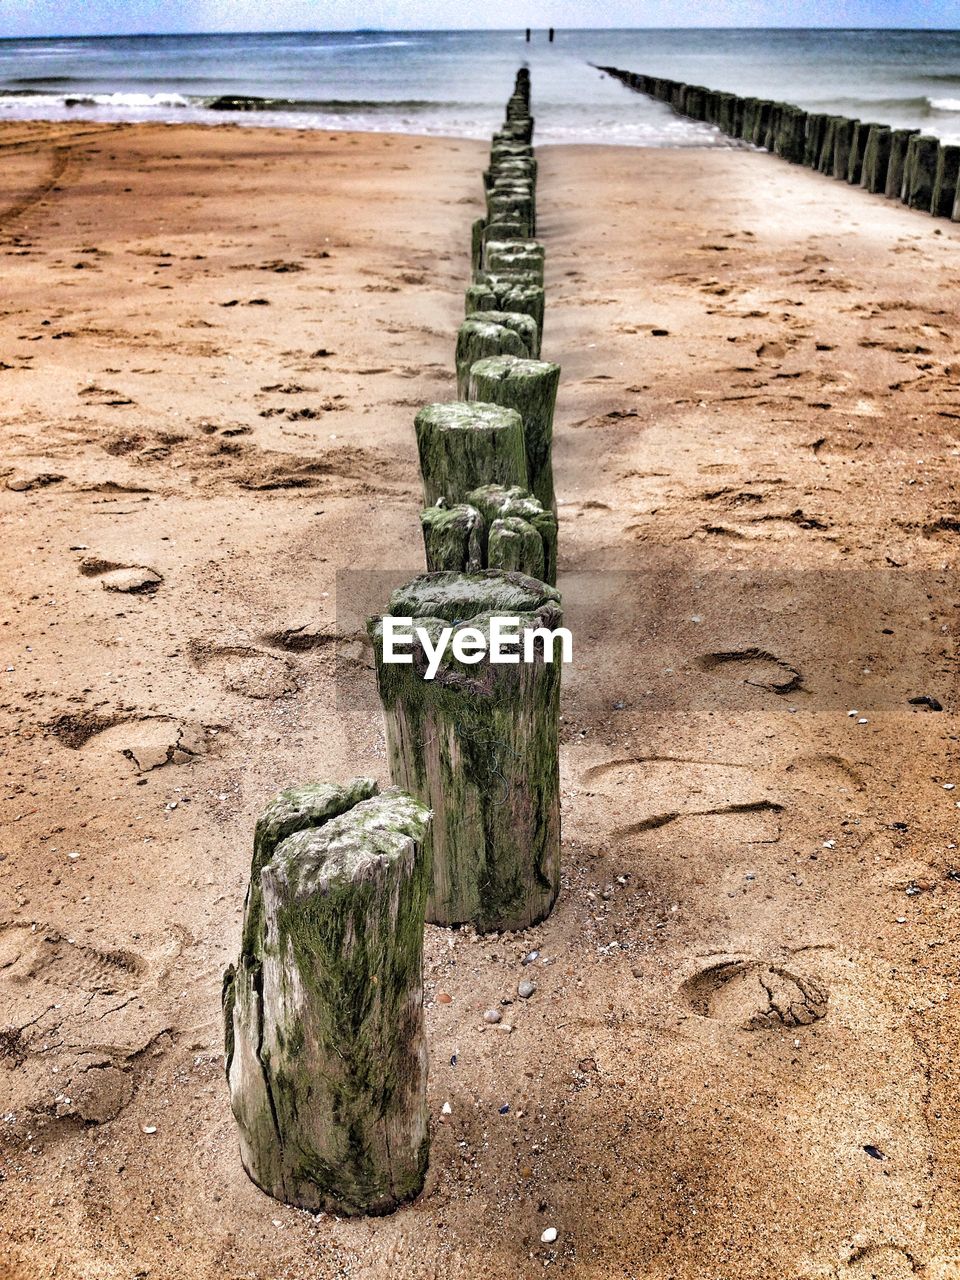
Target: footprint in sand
{"x":130,"y":579}
{"x":754,"y":995}
{"x":892,"y":1262}
{"x":755,"y":667}
{"x":75,"y":1021}
{"x":148,"y":742}
{"x":245,"y":670}
{"x":309,"y":635}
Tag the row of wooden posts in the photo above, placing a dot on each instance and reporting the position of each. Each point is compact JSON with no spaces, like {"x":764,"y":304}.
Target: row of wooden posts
{"x":901,"y":164}
{"x":326,"y":1055}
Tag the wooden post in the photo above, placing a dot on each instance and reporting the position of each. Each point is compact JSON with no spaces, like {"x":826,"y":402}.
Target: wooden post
{"x":899,"y":141}
{"x":919,"y":170}
{"x":503,"y":256}
{"x":813,"y":139}
{"x":945,"y":181}
{"x":463,"y":446}
{"x":453,"y":538}
{"x":530,"y":387}
{"x":512,"y":294}
{"x":858,"y":146}
{"x":476,"y":244}
{"x":498,"y":503}
{"x":479,"y":336}
{"x":325,"y":1049}
{"x":825,"y":162}
{"x":843,"y":140}
{"x":478,"y":745}
{"x":876,"y":158}
{"x":495,"y":528}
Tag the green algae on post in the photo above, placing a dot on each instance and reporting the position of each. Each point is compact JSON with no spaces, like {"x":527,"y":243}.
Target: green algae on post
{"x":326,"y":1054}
{"x":478,"y":744}
{"x":495,"y":528}
{"x":464,"y":445}
{"x":479,"y":336}
{"x":530,"y":387}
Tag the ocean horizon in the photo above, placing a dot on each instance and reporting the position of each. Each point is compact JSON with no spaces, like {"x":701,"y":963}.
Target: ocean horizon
{"x":452,"y":83}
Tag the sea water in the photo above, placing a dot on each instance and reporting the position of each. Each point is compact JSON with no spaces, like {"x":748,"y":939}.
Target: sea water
{"x":455,"y":82}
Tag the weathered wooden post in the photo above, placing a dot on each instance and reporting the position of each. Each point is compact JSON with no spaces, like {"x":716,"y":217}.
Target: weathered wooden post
{"x":478,"y":745}
{"x":530,"y":387}
{"x":463,"y":446}
{"x":919,"y":170}
{"x":858,"y":146}
{"x":945,"y":181}
{"x":510,"y":294}
{"x":813,"y":139}
{"x":325,"y":1051}
{"x":527,"y":256}
{"x":495,"y":528}
{"x":453,"y":538}
{"x":899,"y":141}
{"x":825,"y":164}
{"x":476,"y":244}
{"x":876,"y":158}
{"x":480,"y":336}
{"x":505,"y":506}
{"x":842,"y":141}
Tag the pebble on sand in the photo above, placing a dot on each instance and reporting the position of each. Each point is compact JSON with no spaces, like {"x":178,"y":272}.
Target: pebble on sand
{"x":549,"y":1235}
{"x":526,"y":988}
{"x":492,"y":1016}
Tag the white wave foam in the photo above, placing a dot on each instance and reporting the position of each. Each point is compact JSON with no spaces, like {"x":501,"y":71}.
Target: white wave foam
{"x":136,"y":100}
{"x":944,"y":104}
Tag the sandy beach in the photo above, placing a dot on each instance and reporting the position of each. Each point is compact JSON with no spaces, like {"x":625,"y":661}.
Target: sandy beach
{"x":740,"y":1059}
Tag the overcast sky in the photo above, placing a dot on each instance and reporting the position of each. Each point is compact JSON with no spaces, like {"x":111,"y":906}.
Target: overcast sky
{"x":119,"y":17}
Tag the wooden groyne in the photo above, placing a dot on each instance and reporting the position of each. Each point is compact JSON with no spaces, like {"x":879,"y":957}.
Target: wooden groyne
{"x":900,"y":164}
{"x":326,"y":1054}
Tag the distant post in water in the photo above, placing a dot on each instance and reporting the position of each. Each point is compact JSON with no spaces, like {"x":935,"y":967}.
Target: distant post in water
{"x":325,"y":1050}
{"x":478,"y":745}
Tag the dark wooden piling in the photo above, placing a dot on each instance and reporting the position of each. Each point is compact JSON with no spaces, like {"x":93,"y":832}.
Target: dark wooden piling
{"x":843,"y":140}
{"x":813,"y":139}
{"x":899,"y":142}
{"x":945,"y":181}
{"x":919,"y":171}
{"x":876,"y":158}
{"x":858,"y":146}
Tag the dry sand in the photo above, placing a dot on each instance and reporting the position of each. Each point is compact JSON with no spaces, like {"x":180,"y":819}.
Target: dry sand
{"x":740,"y":1058}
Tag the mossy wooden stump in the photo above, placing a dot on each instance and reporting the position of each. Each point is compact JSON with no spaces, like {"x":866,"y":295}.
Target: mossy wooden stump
{"x":530,"y":387}
{"x":494,"y":528}
{"x":515,"y":255}
{"x":492,"y":292}
{"x":463,"y":446}
{"x":325,"y":1050}
{"x":480,"y":336}
{"x":478,"y":745}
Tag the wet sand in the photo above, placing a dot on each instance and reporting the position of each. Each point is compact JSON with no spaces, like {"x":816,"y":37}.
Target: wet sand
{"x":740,"y":1057}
